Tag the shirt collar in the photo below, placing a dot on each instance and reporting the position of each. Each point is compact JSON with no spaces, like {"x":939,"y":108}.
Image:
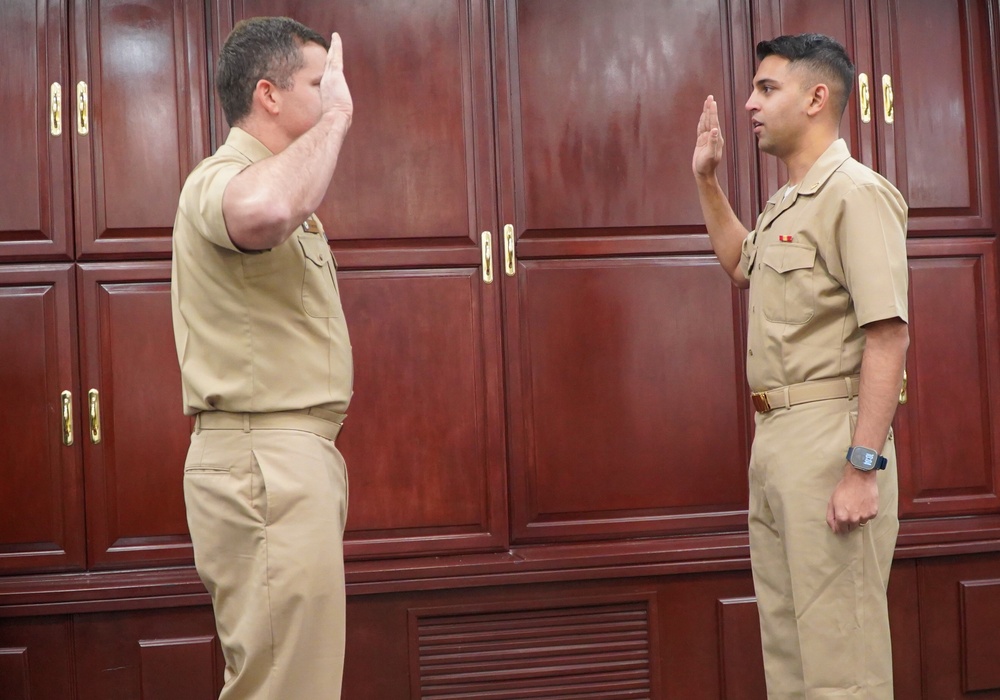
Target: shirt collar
{"x":826,"y":165}
{"x":247,"y":145}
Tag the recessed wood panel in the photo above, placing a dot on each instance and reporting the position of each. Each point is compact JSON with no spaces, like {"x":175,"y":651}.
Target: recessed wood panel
{"x":628,"y":415}
{"x":154,"y":655}
{"x":135,"y":499}
{"x":740,"y":655}
{"x":956,"y":638}
{"x":953,"y":381}
{"x":14,"y":673}
{"x":35,"y":209}
{"x":36,"y":659}
{"x":424,"y":439}
{"x":597,"y":105}
{"x":146,"y":68}
{"x":980,"y":609}
{"x":41,"y":502}
{"x":413,"y":160}
{"x":160,"y":659}
{"x":940,"y":149}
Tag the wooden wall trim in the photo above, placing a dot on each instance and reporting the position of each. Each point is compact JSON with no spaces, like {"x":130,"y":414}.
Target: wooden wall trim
{"x":180,"y":586}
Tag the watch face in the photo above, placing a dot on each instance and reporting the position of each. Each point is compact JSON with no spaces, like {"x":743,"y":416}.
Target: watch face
{"x":863,"y":458}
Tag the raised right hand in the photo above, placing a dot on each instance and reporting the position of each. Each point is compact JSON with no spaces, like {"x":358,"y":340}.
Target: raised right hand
{"x":708,"y":148}
{"x":333,"y":89}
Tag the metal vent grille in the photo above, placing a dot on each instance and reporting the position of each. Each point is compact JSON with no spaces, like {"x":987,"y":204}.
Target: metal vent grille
{"x":594,"y":652}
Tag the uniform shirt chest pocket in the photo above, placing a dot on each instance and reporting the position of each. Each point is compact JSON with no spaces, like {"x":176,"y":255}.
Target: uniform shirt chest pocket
{"x":788,"y":286}
{"x":319,"y":291}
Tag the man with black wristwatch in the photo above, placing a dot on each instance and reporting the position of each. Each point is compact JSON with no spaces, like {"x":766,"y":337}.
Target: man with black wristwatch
{"x":827,"y":340}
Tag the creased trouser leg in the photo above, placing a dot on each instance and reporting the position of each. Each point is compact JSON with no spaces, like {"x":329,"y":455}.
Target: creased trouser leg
{"x":832,"y":586}
{"x":266,"y":510}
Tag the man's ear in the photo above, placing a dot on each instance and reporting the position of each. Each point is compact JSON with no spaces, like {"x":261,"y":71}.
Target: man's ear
{"x":266,"y":95}
{"x":819,"y":98}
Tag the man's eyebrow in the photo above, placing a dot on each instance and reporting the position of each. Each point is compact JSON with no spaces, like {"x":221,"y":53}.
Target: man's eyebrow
{"x":766,"y":81}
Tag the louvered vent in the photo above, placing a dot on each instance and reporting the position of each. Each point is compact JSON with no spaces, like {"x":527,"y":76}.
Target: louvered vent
{"x":594,"y":652}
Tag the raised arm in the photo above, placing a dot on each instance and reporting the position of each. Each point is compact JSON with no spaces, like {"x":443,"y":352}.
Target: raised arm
{"x":268,"y":200}
{"x":724,"y":228}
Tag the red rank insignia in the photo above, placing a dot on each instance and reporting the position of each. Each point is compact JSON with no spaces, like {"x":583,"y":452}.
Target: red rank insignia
{"x":785,"y":239}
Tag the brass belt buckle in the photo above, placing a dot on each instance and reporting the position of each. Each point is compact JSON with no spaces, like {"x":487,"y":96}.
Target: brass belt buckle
{"x":760,"y":401}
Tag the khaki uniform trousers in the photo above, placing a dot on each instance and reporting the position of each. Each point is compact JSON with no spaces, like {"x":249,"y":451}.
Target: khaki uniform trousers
{"x":266,"y":511}
{"x":821,"y":596}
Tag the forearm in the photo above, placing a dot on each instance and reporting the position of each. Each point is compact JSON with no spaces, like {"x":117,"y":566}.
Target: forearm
{"x":267,"y":201}
{"x":725,"y":231}
{"x":881,"y":381}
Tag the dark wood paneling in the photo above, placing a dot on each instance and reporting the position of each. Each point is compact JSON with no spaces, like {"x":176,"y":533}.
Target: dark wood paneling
{"x":145,"y":64}
{"x":590,"y":113}
{"x":135,"y":501}
{"x":41,"y":501}
{"x":952,"y":642}
{"x":938,"y":150}
{"x":424,"y":441}
{"x":741,"y":661}
{"x":980,"y":610}
{"x":36,"y":659}
{"x":954,"y":381}
{"x":904,"y":629}
{"x":626,"y":413}
{"x":161,"y":658}
{"x":153,"y":655}
{"x":35,"y":209}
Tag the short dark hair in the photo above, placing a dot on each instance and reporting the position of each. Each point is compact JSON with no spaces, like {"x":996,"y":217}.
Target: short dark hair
{"x":820,"y":54}
{"x":268,"y":48}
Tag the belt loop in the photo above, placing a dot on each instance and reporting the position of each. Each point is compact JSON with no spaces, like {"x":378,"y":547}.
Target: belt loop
{"x":849,"y":381}
{"x":246,"y":422}
{"x":197,"y":423}
{"x":788,"y":401}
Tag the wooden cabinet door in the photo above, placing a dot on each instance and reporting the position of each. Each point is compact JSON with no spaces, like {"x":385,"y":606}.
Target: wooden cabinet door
{"x":36,"y":206}
{"x":940,"y":146}
{"x":36,"y":658}
{"x":627,"y":401}
{"x":41,"y":501}
{"x":149,"y":655}
{"x":414,"y":188}
{"x":144,"y":66}
{"x":134,"y":454}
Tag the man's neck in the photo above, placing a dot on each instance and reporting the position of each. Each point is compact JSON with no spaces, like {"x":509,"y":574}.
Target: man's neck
{"x":799,"y":162}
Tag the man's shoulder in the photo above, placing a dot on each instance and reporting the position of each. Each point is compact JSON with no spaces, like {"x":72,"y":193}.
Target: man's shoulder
{"x":853,"y":174}
{"x":226,"y":158}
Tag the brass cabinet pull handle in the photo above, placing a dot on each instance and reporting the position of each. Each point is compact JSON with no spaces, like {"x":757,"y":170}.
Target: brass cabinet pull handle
{"x":510,"y":259}
{"x":864,"y":98}
{"x":82,"y":109}
{"x":67,"y":418}
{"x":487,"y":239}
{"x":55,"y":109}
{"x":902,"y":392}
{"x":94,"y":401}
{"x":887,"y":96}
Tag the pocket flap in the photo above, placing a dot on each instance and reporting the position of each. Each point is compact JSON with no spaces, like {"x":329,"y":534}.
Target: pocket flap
{"x":316,"y":249}
{"x":784,"y":257}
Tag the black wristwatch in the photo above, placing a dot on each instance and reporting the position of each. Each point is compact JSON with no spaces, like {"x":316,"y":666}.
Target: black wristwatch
{"x":863,"y":459}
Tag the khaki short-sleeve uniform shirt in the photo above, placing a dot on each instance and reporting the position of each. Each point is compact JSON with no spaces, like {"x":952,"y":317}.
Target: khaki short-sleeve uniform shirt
{"x":256,"y":332}
{"x":822,"y":262}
